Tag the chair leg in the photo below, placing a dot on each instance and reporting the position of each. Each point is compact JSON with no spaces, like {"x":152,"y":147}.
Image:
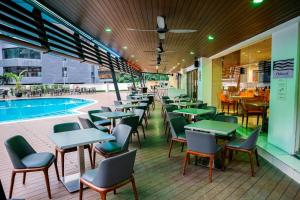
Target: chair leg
{"x":182,"y":146}
{"x":94,"y":159}
{"x":251,"y":163}
{"x":247,"y":118}
{"x":115,"y":191}
{"x":62,"y":157}
{"x":81,"y":191}
{"x":47,"y":182}
{"x":257,"y":121}
{"x":185,"y":162}
{"x":166,"y":129}
{"x":256,"y":156}
{"x":103,"y":195}
{"x":243,"y":119}
{"x":211,"y":159}
{"x":136,"y":197}
{"x":138,"y":137}
{"x":143,"y":131}
{"x":24,"y":177}
{"x":90,"y":155}
{"x":170,"y":148}
{"x":56,"y":169}
{"x":12,"y":182}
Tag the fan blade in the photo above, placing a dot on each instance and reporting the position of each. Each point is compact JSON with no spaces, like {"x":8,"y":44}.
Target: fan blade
{"x":161,"y":36}
{"x":182,"y":30}
{"x":149,"y":51}
{"x":166,"y":52}
{"x":143,"y":30}
{"x":160,"y":22}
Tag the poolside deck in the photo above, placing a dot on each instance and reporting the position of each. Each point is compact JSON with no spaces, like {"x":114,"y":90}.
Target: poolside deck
{"x":157,"y":177}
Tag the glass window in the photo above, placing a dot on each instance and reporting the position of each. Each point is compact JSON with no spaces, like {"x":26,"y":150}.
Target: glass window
{"x":30,"y":70}
{"x":20,"y":52}
{"x":64,"y":72}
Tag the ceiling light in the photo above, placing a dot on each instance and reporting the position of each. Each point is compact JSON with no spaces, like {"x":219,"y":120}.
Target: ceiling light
{"x":125,"y":47}
{"x":210,"y":37}
{"x":178,"y":63}
{"x":183,"y":60}
{"x":136,"y":60}
{"x":258,"y":51}
{"x":156,"y":66}
{"x":107,"y":29}
{"x":257,"y":1}
{"x":192,"y":53}
{"x":132,"y":56}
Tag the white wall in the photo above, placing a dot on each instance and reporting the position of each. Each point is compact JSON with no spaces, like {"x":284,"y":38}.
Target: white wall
{"x":205,"y":80}
{"x":283,"y":105}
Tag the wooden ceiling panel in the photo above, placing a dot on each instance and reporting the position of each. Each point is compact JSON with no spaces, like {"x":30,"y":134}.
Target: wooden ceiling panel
{"x":229,"y":21}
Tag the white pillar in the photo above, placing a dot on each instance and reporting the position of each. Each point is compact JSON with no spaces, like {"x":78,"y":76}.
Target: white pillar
{"x":205,"y":80}
{"x":284,"y":91}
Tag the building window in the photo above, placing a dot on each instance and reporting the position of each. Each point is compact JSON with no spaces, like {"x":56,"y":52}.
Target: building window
{"x":64,"y":72}
{"x":30,"y":71}
{"x":20,"y":52}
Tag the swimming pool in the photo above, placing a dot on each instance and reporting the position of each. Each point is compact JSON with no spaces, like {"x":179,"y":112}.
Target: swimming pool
{"x":25,"y":109}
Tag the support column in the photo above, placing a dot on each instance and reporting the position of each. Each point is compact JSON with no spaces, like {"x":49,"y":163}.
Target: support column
{"x":113,"y":74}
{"x":205,"y":74}
{"x":284,"y":96}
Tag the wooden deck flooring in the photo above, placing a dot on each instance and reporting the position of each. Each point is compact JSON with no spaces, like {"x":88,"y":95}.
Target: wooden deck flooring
{"x":157,"y":177}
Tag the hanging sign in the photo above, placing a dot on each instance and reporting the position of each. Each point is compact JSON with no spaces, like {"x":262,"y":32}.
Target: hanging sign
{"x":283,"y":68}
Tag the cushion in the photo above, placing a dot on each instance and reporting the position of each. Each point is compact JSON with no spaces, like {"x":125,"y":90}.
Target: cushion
{"x":89,"y":175}
{"x":109,"y":147}
{"x":38,"y":160}
{"x":236,"y":143}
{"x":103,"y":122}
{"x":102,"y":128}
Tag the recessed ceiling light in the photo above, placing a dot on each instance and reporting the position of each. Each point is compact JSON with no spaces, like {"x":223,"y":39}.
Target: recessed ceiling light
{"x":178,"y":63}
{"x":136,"y":60}
{"x":210,"y":37}
{"x":183,"y":60}
{"x":192,"y":53}
{"x":258,"y":51}
{"x":156,"y":66}
{"x":174,"y":67}
{"x":107,"y":29}
{"x":132,"y":56}
{"x":257,"y":1}
{"x":124,"y":47}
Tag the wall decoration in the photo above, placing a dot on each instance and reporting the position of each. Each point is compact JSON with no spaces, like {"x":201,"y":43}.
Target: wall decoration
{"x":283,"y":68}
{"x":282,"y":90}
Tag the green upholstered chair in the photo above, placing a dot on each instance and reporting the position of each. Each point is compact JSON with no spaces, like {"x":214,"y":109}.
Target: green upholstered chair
{"x":70,"y":126}
{"x":86,"y":123}
{"x":111,"y":173}
{"x":178,"y":132}
{"x":98,"y":120}
{"x":122,"y":134}
{"x":25,"y":159}
{"x":133,"y":122}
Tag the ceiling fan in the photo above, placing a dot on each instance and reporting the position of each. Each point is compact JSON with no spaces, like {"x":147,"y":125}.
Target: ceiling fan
{"x":160,"y":50}
{"x":162,"y":28}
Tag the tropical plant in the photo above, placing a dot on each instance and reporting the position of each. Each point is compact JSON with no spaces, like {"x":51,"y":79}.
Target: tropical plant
{"x":4,"y":79}
{"x":17,"y":78}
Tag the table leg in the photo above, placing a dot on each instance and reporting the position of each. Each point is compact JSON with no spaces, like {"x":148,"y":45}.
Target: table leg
{"x":71,"y":182}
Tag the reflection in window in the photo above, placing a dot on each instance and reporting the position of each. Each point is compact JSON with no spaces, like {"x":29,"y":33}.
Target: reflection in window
{"x":30,"y":71}
{"x":20,"y":52}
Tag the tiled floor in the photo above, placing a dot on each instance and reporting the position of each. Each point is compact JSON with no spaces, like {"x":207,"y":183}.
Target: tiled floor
{"x":157,"y":177}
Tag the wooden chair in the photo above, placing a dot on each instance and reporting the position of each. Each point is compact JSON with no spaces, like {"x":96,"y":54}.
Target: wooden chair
{"x":247,"y":146}
{"x":122,"y":134}
{"x":71,"y":126}
{"x":25,"y":159}
{"x":201,"y":144}
{"x":248,"y":111}
{"x":225,"y":101}
{"x":178,"y":132}
{"x":133,"y":122}
{"x":111,"y":173}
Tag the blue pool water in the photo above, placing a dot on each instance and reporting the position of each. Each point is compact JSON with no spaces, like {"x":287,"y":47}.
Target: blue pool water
{"x":24,"y":109}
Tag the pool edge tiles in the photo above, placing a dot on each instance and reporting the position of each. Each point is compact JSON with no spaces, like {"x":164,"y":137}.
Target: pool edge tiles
{"x":26,"y":109}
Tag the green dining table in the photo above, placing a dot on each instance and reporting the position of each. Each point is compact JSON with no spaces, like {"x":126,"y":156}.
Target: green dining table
{"x":78,"y":138}
{"x":185,"y":104}
{"x":113,"y":115}
{"x":193,"y":111}
{"x":214,"y":127}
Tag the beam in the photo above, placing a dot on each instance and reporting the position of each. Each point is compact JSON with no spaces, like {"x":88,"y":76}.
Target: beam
{"x":113,"y":74}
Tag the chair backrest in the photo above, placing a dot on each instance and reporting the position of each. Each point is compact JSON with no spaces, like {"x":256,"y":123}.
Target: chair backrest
{"x":133,"y":122}
{"x":219,"y":114}
{"x":140,"y":113}
{"x":212,"y":108}
{"x":151,"y":99}
{"x":250,"y":143}
{"x":86,"y":123}
{"x":202,"y":106}
{"x":92,"y":117}
{"x":122,"y":133}
{"x":114,"y":170}
{"x":106,"y":109}
{"x":165,"y":97}
{"x":201,"y":142}
{"x":70,"y":126}
{"x":171,"y":108}
{"x":177,"y":125}
{"x":2,"y":193}
{"x":227,"y":118}
{"x":171,"y":115}
{"x":17,"y":148}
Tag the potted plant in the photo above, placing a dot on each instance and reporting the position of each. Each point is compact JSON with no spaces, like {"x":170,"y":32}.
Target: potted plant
{"x":17,"y":78}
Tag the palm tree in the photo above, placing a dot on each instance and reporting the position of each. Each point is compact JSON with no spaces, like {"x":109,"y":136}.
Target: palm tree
{"x":17,"y":78}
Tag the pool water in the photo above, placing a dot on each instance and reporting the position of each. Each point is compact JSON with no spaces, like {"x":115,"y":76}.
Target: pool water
{"x":24,"y":109}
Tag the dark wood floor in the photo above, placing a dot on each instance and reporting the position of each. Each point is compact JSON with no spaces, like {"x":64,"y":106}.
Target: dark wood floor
{"x":158,"y":177}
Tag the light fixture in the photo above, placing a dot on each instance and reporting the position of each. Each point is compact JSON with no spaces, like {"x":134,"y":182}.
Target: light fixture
{"x":210,"y":37}
{"x":156,"y":67}
{"x":183,"y":60}
{"x":178,"y":63}
{"x":107,"y":29}
{"x":258,"y":51}
{"x":125,"y":47}
{"x":257,"y":1}
{"x":132,"y":56}
{"x":192,"y":53}
{"x":136,"y":60}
